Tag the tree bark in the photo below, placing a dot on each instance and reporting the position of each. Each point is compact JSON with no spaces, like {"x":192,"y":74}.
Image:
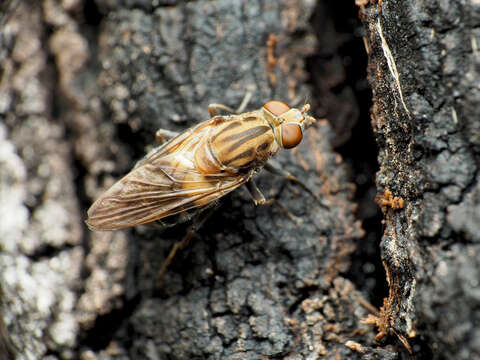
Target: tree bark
{"x":424,"y":72}
{"x":84,"y":87}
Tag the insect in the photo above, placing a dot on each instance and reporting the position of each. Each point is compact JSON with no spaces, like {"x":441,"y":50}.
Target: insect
{"x":195,"y":168}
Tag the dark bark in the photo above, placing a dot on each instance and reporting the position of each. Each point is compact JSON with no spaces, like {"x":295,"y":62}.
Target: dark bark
{"x":424,"y":72}
{"x":84,"y":87}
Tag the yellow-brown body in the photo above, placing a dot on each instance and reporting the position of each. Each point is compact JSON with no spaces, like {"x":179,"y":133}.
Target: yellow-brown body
{"x":199,"y":166}
{"x":236,"y":144}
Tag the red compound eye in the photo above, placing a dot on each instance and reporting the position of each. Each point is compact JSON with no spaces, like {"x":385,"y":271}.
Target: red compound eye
{"x":276,"y":107}
{"x":291,"y":135}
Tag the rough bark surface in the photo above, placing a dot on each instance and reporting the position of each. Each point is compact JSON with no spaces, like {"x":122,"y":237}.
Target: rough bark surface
{"x":83,"y":87}
{"x":424,"y":72}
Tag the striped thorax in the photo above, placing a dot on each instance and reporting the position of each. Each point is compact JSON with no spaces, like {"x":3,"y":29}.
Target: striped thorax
{"x":200,"y":165}
{"x":243,"y":142}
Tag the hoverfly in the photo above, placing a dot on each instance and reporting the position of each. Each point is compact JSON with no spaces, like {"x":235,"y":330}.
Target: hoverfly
{"x":195,"y":168}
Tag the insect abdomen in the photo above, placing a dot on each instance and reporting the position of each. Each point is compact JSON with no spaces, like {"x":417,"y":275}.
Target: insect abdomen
{"x":243,"y":143}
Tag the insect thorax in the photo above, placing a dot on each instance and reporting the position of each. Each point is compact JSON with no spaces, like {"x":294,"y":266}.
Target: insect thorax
{"x":244,"y":142}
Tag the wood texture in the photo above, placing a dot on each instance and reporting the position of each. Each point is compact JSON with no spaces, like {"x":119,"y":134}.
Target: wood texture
{"x":84,"y":87}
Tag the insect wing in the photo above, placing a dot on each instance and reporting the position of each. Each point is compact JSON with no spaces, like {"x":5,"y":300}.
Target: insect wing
{"x":164,"y":184}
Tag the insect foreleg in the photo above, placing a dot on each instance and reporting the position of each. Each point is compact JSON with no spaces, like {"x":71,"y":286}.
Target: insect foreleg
{"x":275,"y":169}
{"x":298,"y":221}
{"x":163,"y":135}
{"x":244,"y":102}
{"x":255,"y":193}
{"x":259,"y":199}
{"x":212,"y":108}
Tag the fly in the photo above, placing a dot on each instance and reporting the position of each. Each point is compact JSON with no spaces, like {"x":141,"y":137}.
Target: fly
{"x":196,"y":167}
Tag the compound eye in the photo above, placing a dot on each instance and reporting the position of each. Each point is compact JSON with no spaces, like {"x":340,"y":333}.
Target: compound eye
{"x":276,"y":107}
{"x":291,"y":135}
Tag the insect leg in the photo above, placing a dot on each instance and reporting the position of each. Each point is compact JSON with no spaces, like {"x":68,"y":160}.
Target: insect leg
{"x":244,"y":102}
{"x":273,"y":168}
{"x":255,"y":193}
{"x":259,"y":199}
{"x":298,"y":221}
{"x":212,"y":108}
{"x":163,"y":135}
{"x":197,"y":222}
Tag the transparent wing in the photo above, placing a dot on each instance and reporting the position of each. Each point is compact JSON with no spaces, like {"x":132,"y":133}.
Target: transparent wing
{"x":164,"y":184}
